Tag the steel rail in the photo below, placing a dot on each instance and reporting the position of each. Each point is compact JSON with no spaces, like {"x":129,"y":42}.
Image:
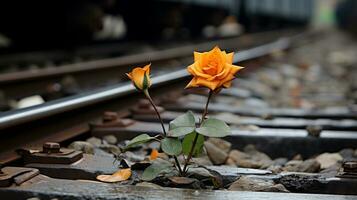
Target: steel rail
{"x":15,"y":117}
{"x":128,"y":59}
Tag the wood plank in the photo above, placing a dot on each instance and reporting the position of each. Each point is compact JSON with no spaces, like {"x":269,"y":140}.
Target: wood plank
{"x":274,"y":112}
{"x":69,"y":189}
{"x":278,"y":122}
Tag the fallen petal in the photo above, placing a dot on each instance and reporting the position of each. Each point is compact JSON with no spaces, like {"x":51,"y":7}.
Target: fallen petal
{"x":120,"y":175}
{"x":154,"y":154}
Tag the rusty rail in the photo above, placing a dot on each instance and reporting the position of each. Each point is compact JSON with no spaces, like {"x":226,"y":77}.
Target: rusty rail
{"x":16,"y":117}
{"x":152,"y":56}
{"x":97,"y":72}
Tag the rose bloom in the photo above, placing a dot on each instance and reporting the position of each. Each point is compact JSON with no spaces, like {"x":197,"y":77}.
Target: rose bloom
{"x":140,"y":76}
{"x":213,"y":69}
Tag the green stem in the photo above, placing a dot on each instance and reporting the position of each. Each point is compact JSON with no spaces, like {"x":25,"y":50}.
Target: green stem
{"x":178,"y":165}
{"x":147,"y":94}
{"x":205,"y":112}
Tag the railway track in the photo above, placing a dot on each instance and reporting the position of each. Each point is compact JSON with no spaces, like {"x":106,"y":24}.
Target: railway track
{"x":73,"y":105}
{"x":278,"y":132}
{"x":69,"y":79}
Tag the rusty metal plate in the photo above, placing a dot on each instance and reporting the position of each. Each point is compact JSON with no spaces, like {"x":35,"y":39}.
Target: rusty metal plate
{"x":16,"y":175}
{"x":65,"y":156}
{"x":89,"y":167}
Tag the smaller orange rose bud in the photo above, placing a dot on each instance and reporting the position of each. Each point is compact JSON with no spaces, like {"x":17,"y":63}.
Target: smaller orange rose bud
{"x":140,"y":76}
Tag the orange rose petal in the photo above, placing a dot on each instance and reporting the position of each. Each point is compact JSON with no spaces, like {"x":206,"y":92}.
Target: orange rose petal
{"x":221,"y":75}
{"x":192,"y":83}
{"x":210,"y":84}
{"x":192,"y":69}
{"x":230,"y":58}
{"x":146,"y":68}
{"x":221,"y":57}
{"x":197,"y":56}
{"x":138,"y":77}
{"x":147,"y":73}
{"x":235,"y":69}
{"x":204,"y":60}
{"x":228,"y":78}
{"x":210,"y":70}
{"x":120,"y":175}
{"x":216,"y":49}
{"x":227,"y":84}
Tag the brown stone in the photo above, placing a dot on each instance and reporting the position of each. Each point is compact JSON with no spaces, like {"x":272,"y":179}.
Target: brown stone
{"x":110,"y":139}
{"x":85,"y":147}
{"x":230,"y":162}
{"x":245,"y":183}
{"x":327,"y":160}
{"x":256,"y":155}
{"x":242,"y":159}
{"x":309,"y":166}
{"x":203,"y":160}
{"x":216,"y":155}
{"x":221,"y":144}
{"x":297,"y":157}
{"x":94,"y":141}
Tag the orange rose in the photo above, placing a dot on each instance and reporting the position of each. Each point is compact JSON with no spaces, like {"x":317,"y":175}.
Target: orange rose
{"x":213,"y":69}
{"x":140,"y":76}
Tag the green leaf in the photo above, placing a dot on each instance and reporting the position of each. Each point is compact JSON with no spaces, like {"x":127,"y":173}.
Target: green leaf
{"x":188,"y":141}
{"x":214,"y":128}
{"x":171,"y":146}
{"x":140,"y":139}
{"x":155,"y":170}
{"x":182,"y":125}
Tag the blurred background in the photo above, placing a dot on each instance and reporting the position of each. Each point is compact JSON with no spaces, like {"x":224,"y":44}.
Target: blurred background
{"x":41,"y":38}
{"x":68,"y":24}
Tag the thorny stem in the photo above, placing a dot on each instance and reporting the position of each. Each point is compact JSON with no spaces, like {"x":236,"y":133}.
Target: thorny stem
{"x":205,"y":112}
{"x":146,"y":92}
